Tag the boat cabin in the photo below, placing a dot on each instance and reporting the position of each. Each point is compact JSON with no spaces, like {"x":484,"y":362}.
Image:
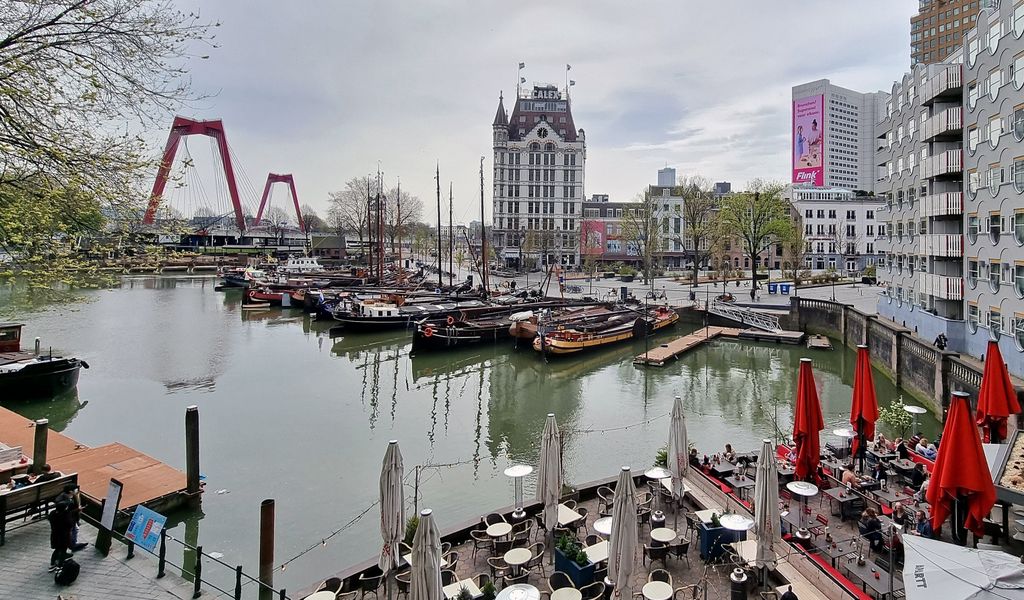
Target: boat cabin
{"x":377,"y":308}
{"x":302,"y":264}
{"x":10,"y":337}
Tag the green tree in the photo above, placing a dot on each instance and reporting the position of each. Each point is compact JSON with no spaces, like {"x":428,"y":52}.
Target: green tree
{"x":78,"y":76}
{"x":794,"y":252}
{"x":758,"y":218}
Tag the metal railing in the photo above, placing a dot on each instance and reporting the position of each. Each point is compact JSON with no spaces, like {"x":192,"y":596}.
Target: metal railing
{"x":746,"y":316}
{"x":195,"y":576}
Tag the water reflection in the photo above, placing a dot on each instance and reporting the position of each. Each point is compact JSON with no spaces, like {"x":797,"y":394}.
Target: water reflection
{"x":60,"y":410}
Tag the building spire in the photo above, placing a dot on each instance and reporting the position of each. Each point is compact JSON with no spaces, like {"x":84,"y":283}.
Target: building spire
{"x":500,"y":118}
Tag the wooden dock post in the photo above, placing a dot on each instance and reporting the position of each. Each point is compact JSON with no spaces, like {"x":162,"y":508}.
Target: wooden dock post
{"x":267,"y":549}
{"x":39,"y":445}
{"x":192,"y":450}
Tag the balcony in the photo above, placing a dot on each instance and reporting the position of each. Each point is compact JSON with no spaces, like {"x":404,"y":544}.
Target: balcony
{"x":940,"y":286}
{"x":944,"y":85}
{"x":950,"y":162}
{"x":948,"y":245}
{"x":942,"y":205}
{"x":947,"y":125}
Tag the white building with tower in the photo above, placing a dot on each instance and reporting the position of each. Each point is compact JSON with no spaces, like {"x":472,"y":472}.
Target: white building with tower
{"x":539,"y":158}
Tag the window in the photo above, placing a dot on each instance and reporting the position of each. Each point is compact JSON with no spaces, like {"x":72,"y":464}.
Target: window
{"x":995,"y":130}
{"x":973,"y":137}
{"x":995,"y":178}
{"x":821,"y":214}
{"x":994,"y":276}
{"x":973,"y":182}
{"x":972,"y":273}
{"x":973,"y":227}
{"x":1018,"y":20}
{"x":995,"y":81}
{"x":973,"y":93}
{"x":832,"y":214}
{"x":993,"y":36}
{"x":973,"y":316}
{"x":870,"y":230}
{"x":1018,"y":280}
{"x":870,"y":215}
{"x":808,"y":213}
{"x":995,"y":323}
{"x":994,"y":227}
{"x":972,"y":51}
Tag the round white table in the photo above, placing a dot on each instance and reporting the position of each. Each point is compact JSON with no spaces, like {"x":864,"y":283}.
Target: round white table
{"x":324,"y":595}
{"x":663,"y":535}
{"x":915,"y":410}
{"x":566,"y":593}
{"x":735,"y":522}
{"x":657,"y":473}
{"x":499,"y":530}
{"x":657,"y":590}
{"x":517,"y":557}
{"x":802,"y":488}
{"x":603,"y":525}
{"x":519,"y":591}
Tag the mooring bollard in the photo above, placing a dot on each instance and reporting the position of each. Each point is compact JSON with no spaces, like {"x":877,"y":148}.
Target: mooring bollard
{"x":39,"y":445}
{"x":198,"y":573}
{"x":238,"y":582}
{"x":192,"y":450}
{"x":267,"y":549}
{"x":162,"y":554}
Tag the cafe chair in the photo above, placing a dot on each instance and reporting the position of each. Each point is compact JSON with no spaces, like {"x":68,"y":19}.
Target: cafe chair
{"x":370,"y":581}
{"x":593,"y":591}
{"x":494,"y":519}
{"x":819,"y":529}
{"x":681,"y":550}
{"x":575,"y":525}
{"x":332,"y":585}
{"x":559,"y":580}
{"x":659,"y":575}
{"x":601,"y":572}
{"x":560,"y":531}
{"x":480,"y":540}
{"x":448,"y":577}
{"x":654,"y":553}
{"x":403,"y":580}
{"x":605,"y":497}
{"x":592,"y":539}
{"x":481,"y":580}
{"x":537,"y":550}
{"x":522,"y":577}
{"x":404,"y":549}
{"x":570,"y":504}
{"x":446,"y":547}
{"x":687,"y":592}
{"x":346,"y":595}
{"x":500,"y":547}
{"x":643,"y":516}
{"x":452,"y":558}
{"x":498,"y":567}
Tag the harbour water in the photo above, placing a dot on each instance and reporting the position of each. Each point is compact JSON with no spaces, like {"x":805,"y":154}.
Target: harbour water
{"x":291,"y":414}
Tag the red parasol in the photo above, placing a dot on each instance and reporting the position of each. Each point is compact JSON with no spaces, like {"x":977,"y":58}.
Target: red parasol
{"x":997,"y":399}
{"x":961,"y":471}
{"x":807,"y":423}
{"x":864,"y":411}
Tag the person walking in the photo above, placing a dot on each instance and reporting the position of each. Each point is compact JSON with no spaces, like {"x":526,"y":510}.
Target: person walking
{"x":60,"y":533}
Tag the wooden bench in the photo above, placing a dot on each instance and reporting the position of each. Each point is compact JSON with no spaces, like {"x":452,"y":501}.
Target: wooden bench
{"x":22,"y":501}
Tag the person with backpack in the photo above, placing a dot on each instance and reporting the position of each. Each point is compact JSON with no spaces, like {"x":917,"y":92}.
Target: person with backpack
{"x":61,"y":523}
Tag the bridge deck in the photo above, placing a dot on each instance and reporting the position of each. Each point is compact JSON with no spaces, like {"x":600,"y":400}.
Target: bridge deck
{"x":665,"y":352}
{"x":146,"y":480}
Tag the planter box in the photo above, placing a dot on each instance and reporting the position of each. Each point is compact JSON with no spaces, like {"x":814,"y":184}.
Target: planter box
{"x":580,"y":575}
{"x":626,"y":278}
{"x":713,"y":538}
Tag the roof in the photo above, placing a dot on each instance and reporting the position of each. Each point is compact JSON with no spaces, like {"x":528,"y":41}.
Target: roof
{"x":9,"y":325}
{"x":500,"y":118}
{"x":546,"y":104}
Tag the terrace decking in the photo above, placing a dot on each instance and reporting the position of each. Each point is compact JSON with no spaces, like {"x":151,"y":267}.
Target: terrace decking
{"x":146,"y":480}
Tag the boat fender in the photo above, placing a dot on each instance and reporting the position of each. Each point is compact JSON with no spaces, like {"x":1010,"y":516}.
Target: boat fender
{"x":84,"y":364}
{"x":428,"y":331}
{"x":450,"y":320}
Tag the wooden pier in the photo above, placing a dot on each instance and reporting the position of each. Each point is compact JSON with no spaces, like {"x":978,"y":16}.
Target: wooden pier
{"x":675,"y":348}
{"x":146,"y":480}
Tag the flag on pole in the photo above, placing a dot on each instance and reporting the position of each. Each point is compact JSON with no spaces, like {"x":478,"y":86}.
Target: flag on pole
{"x":568,"y":67}
{"x":522,"y":66}
{"x":522,"y":80}
{"x":572,"y":82}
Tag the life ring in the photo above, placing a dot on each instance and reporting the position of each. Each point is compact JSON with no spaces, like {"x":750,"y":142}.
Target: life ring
{"x":428,"y":331}
{"x":450,"y":320}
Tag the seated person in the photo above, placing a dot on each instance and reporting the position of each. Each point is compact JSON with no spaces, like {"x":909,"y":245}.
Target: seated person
{"x":882,"y":444}
{"x":694,"y":459}
{"x":930,"y":452}
{"x":922,"y":446}
{"x":917,"y":476}
{"x":901,"y":449}
{"x":788,"y":595}
{"x":729,"y":454}
{"x":923,"y":526}
{"x":878,"y":472}
{"x":48,"y":474}
{"x":871,"y":529}
{"x":850,"y":479}
{"x":901,"y":516}
{"x":920,"y":495}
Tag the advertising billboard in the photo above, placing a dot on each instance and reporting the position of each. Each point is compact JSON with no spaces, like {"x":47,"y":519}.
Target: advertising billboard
{"x":808,"y":142}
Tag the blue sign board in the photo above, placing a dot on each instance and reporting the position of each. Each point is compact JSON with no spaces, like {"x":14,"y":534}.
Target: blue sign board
{"x":784,"y":288}
{"x":145,"y":528}
{"x":772,"y":288}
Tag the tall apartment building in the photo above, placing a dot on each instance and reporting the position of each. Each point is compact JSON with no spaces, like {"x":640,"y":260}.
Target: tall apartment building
{"x":938,"y":28}
{"x":666,"y":177}
{"x":834,"y":136}
{"x":994,"y":182}
{"x":841,"y":229}
{"x":920,"y":150}
{"x":539,"y":158}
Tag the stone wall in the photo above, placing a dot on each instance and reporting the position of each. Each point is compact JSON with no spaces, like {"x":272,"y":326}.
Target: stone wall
{"x":912,"y":362}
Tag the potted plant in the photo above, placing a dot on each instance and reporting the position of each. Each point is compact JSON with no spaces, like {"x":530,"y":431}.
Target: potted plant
{"x":410,"y":528}
{"x":573,"y":561}
{"x":488,"y":591}
{"x":627,"y":274}
{"x":713,"y":537}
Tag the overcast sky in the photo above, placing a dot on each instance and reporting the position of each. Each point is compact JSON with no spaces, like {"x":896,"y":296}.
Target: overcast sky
{"x":326,"y":89}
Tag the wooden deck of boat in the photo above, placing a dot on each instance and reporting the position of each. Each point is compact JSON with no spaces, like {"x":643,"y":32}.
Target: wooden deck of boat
{"x":673,"y":349}
{"x":146,"y":480}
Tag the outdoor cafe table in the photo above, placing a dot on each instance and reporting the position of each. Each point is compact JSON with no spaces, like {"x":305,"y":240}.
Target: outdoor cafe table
{"x":499,"y":530}
{"x":785,"y":472}
{"x":890,"y":495}
{"x":656,"y":590}
{"x":705,"y":515}
{"x":836,"y":494}
{"x":603,"y":525}
{"x":566,"y":593}
{"x":452,"y":591}
{"x":841,"y":549}
{"x":864,"y":572}
{"x":746,"y":549}
{"x":722,"y":468}
{"x":597,"y":552}
{"x":567,"y":515}
{"x":517,"y":557}
{"x":903,"y":465}
{"x":663,"y":535}
{"x":740,"y":485}
{"x":519,"y":591}
{"x":882,"y":454}
{"x":835,"y":464}
{"x":792,"y":518}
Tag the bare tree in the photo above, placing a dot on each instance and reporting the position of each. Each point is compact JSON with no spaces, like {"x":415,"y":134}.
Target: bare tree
{"x":311,"y":221}
{"x":336,"y":223}
{"x":699,"y":217}
{"x":759,"y":217}
{"x":412,"y":211}
{"x":794,"y":252}
{"x":641,"y":230}
{"x":349,"y":206}
{"x":846,"y":239}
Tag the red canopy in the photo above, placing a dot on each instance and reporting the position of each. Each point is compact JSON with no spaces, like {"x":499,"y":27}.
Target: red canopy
{"x":807,"y":423}
{"x":961,"y":470}
{"x":864,"y":411}
{"x":997,"y":399}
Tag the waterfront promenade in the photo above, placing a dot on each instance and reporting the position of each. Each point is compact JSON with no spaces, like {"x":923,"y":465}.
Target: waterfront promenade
{"x":26,"y":555}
